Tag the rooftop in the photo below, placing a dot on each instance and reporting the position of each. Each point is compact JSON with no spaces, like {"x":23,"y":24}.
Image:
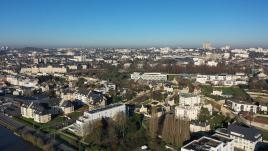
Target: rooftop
{"x":104,"y":108}
{"x":203,"y":144}
{"x":249,"y":133}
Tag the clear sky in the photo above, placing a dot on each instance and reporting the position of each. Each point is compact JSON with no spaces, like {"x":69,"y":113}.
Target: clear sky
{"x":133,"y":23}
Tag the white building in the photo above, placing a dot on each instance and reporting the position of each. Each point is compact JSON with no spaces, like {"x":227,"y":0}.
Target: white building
{"x":239,"y":106}
{"x":212,"y":63}
{"x":149,"y":76}
{"x":215,"y":143}
{"x":199,"y":126}
{"x":188,"y":99}
{"x":187,"y":112}
{"x":48,"y":70}
{"x":109,"y":111}
{"x":223,"y":79}
{"x":198,"y":61}
{"x":245,"y":138}
{"x":217,"y":92}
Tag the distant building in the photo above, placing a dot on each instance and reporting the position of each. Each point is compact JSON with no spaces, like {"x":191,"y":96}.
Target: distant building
{"x":217,"y":92}
{"x":223,"y":79}
{"x":149,"y":76}
{"x":212,"y":63}
{"x":226,"y":47}
{"x":207,"y":46}
{"x":239,"y":106}
{"x":46,"y":69}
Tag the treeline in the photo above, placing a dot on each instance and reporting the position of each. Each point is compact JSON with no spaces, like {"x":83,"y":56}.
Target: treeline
{"x":130,"y":133}
{"x":38,"y":140}
{"x":188,"y":69}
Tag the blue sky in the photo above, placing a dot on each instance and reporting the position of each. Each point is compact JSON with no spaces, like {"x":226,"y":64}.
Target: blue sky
{"x":133,"y":23}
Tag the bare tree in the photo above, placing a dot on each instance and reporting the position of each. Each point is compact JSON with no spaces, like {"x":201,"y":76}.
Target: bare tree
{"x":175,"y":131}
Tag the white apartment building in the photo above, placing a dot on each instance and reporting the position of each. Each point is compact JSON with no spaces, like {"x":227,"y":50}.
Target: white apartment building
{"x":198,"y":126}
{"x":149,"y":76}
{"x":187,"y":112}
{"x":215,"y":143}
{"x":245,"y":138}
{"x":239,"y":106}
{"x":109,"y":111}
{"x":190,"y":106}
{"x":212,"y":63}
{"x":223,"y":79}
{"x":188,"y":99}
{"x":48,"y":70}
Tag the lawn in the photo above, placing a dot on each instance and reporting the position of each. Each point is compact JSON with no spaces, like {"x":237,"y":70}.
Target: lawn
{"x":28,"y":121}
{"x":236,"y":92}
{"x":75,"y":115}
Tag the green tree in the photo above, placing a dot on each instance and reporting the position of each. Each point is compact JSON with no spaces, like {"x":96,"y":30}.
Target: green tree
{"x":80,"y":82}
{"x":204,"y":115}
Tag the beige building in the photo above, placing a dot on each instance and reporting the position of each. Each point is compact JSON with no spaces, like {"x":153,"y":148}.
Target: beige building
{"x":67,"y":107}
{"x":48,"y":70}
{"x":35,"y":112}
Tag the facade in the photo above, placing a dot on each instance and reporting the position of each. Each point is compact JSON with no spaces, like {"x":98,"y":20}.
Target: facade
{"x":67,"y":107}
{"x":21,"y":81}
{"x":188,"y":99}
{"x":197,"y":126}
{"x":207,"y":46}
{"x":190,"y":106}
{"x":109,"y":111}
{"x":187,"y":112}
{"x":41,"y":117}
{"x":223,"y":79}
{"x":240,"y":106}
{"x":149,"y":76}
{"x":48,"y":70}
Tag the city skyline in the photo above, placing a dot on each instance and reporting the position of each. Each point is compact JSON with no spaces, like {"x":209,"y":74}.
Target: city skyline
{"x":152,"y":23}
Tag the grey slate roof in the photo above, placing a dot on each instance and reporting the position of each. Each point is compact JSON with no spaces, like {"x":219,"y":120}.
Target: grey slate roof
{"x":249,"y":133}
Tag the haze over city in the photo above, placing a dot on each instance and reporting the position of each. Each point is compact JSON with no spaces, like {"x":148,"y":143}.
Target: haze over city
{"x":133,"y":23}
{"x":133,"y":75}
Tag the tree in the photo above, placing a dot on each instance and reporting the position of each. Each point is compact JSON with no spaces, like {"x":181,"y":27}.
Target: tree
{"x":153,"y":125}
{"x":204,"y":114}
{"x":121,"y":124}
{"x":81,"y":82}
{"x":175,"y":131}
